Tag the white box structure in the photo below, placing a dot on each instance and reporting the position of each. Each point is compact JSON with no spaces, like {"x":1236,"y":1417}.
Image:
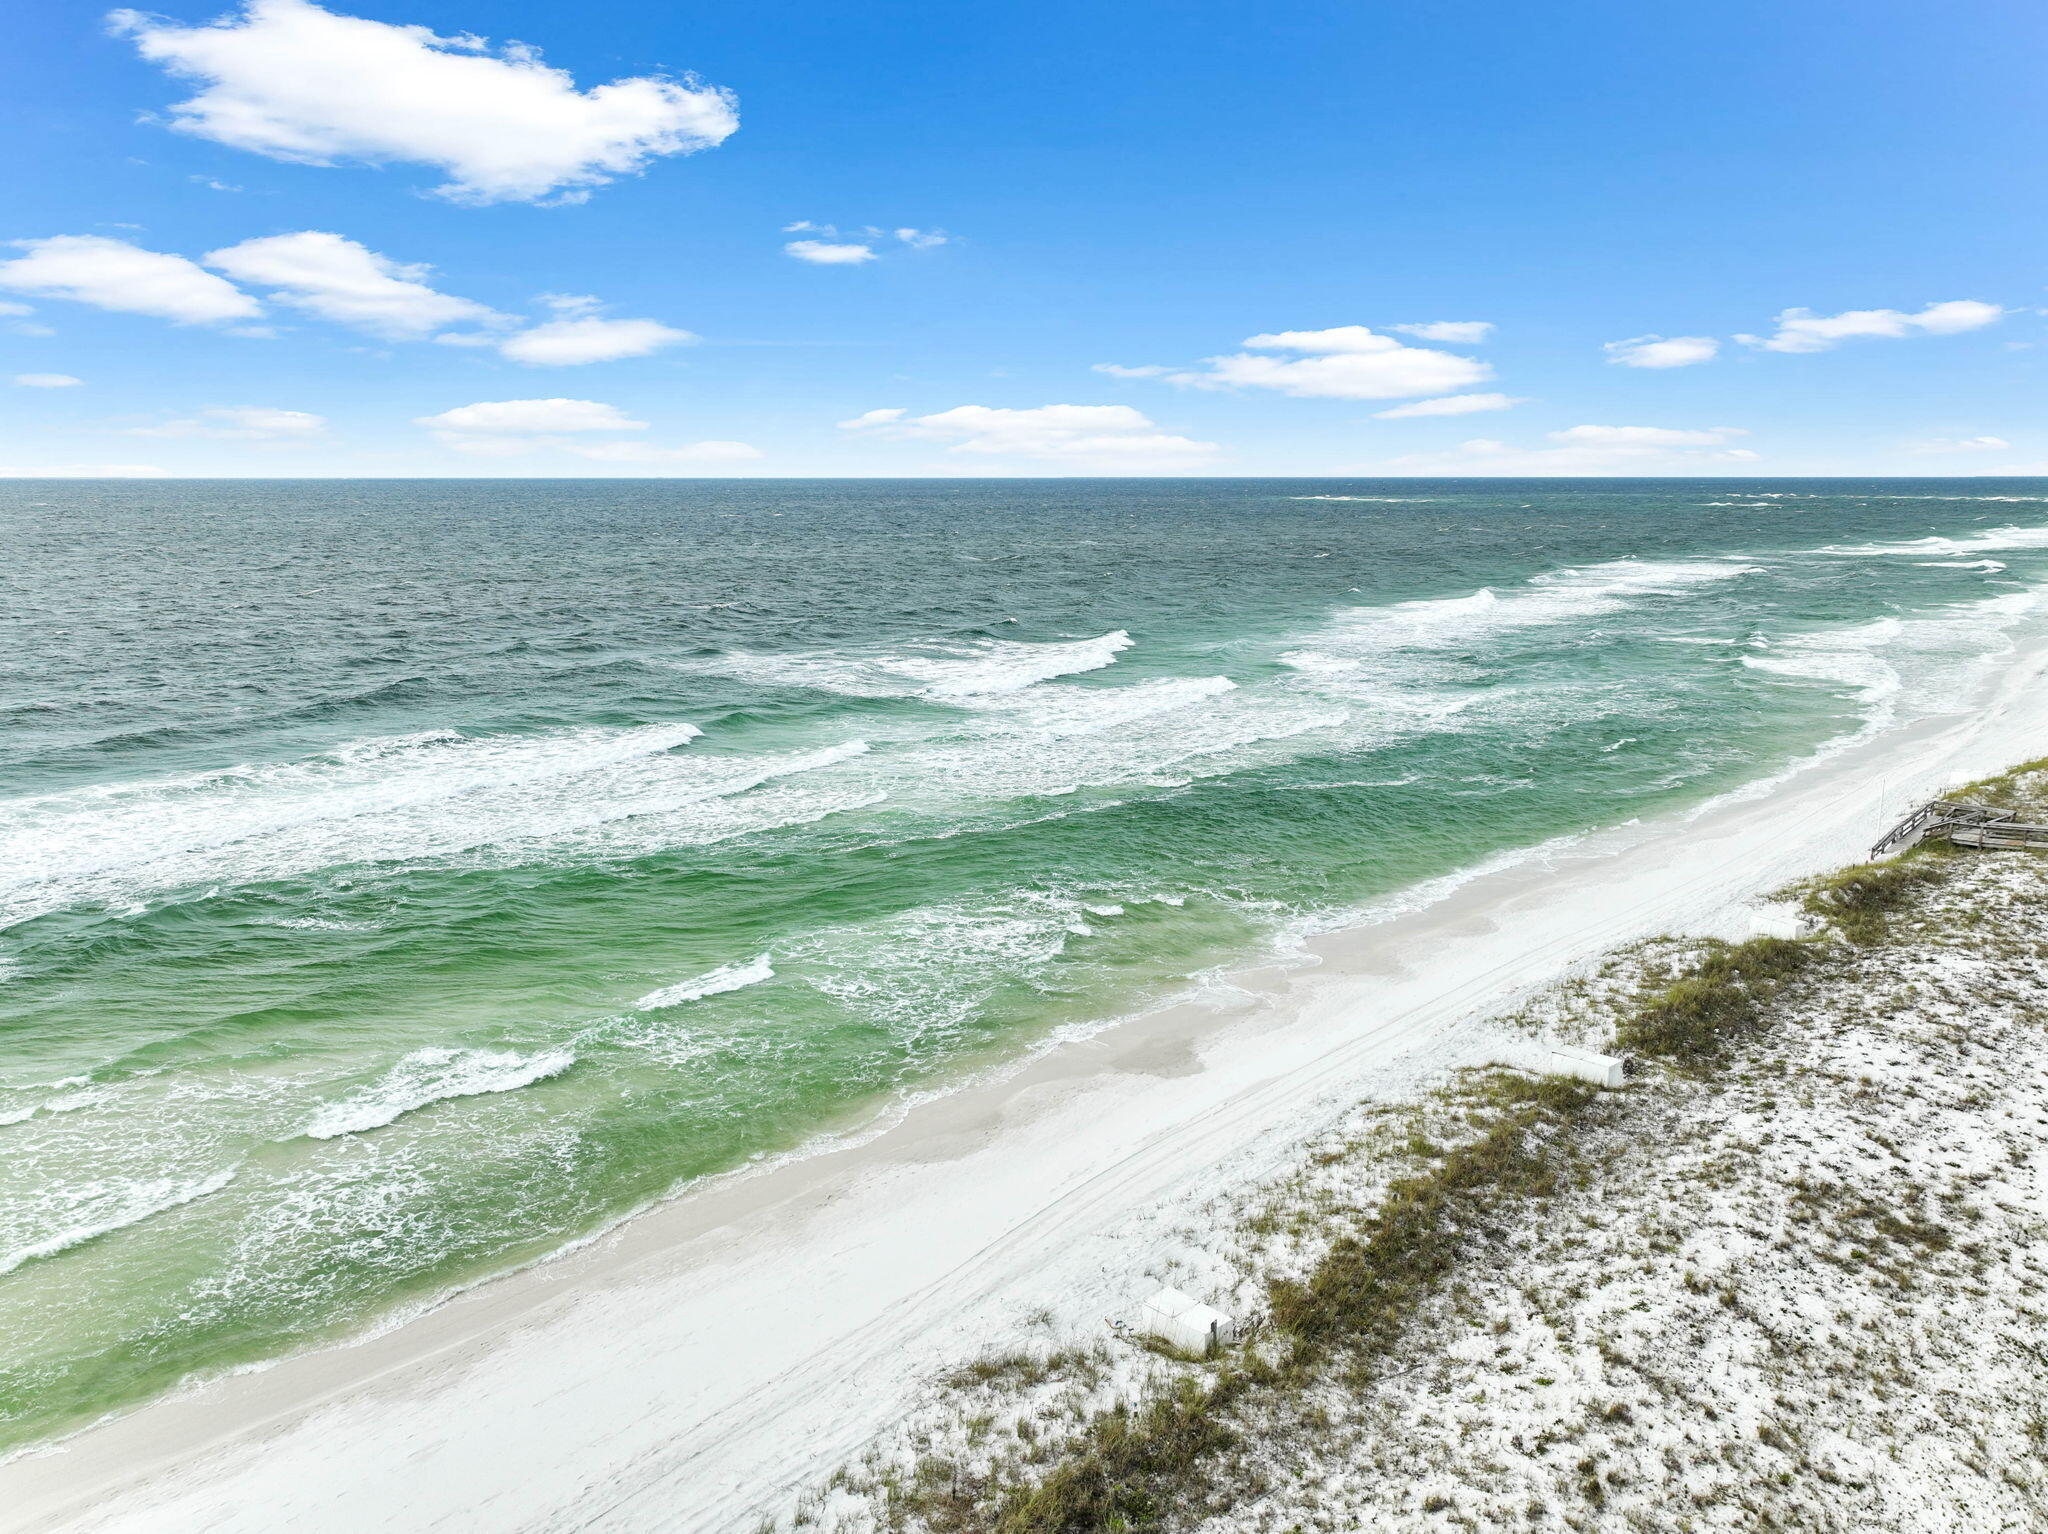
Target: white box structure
{"x":1782,"y":923}
{"x":1186,"y":1322}
{"x":1585,"y":1065}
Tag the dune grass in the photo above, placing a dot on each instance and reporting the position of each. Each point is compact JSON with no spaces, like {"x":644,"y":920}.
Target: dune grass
{"x":1157,"y":1462}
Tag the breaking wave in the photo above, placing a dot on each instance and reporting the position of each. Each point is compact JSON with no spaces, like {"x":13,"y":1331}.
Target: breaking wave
{"x":432,"y":1076}
{"x":730,"y":977}
{"x":940,"y":669}
{"x":116,"y":1204}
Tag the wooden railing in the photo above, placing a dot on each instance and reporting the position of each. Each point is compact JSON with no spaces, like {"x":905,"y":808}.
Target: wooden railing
{"x":1967,"y":825}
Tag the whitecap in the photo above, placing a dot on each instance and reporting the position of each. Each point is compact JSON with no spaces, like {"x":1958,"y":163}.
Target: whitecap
{"x":1989,"y":541}
{"x":69,"y":1102}
{"x":943,"y":670}
{"x":431,"y":1076}
{"x":115,"y":1204}
{"x":431,"y":797}
{"x":730,"y":977}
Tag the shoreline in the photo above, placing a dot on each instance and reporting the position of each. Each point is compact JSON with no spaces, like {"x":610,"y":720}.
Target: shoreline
{"x":692,"y":1366}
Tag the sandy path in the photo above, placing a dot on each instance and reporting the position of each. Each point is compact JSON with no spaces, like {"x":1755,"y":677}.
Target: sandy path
{"x":690,"y":1370}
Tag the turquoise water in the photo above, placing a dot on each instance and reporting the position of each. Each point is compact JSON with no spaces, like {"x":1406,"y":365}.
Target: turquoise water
{"x":404,"y":879}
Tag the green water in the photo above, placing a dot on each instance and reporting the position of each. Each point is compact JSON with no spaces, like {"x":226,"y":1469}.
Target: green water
{"x":404,"y":879}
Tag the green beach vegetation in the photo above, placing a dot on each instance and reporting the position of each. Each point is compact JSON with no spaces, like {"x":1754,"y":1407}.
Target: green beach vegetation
{"x":1788,"y":1099}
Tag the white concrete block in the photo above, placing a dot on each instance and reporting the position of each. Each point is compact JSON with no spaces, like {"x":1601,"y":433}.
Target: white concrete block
{"x":1185,"y":1322}
{"x":1586,"y":1065}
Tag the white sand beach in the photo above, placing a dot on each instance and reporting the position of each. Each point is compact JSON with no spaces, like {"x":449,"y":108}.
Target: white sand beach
{"x":693,"y":1369}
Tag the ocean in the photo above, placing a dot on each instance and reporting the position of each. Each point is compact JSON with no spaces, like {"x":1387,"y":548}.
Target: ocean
{"x":403,"y":880}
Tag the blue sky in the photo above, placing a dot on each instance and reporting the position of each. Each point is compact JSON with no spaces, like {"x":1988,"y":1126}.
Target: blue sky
{"x":431,"y":237}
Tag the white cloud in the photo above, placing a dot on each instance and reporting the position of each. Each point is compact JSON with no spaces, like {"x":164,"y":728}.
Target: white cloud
{"x":47,"y":380}
{"x":1117,"y":370}
{"x":1344,"y":362}
{"x":240,"y":423}
{"x":112,"y":274}
{"x":1801,"y":330}
{"x":509,"y":416}
{"x":340,"y":280}
{"x":1450,"y":404}
{"x":1590,"y":450}
{"x":331,"y":277}
{"x":854,"y":247}
{"x":85,"y":471}
{"x":1662,"y":351}
{"x":1454,"y":332}
{"x":1337,"y":339}
{"x":648,"y":452}
{"x":512,"y":428}
{"x":1103,"y":437}
{"x":292,"y":81}
{"x":1960,"y":445}
{"x":826,"y":253}
{"x":1645,"y":436}
{"x":577,"y":339}
{"x":10,"y":310}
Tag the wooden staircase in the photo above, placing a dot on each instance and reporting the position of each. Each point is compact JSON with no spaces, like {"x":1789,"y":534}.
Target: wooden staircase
{"x":1966,"y":825}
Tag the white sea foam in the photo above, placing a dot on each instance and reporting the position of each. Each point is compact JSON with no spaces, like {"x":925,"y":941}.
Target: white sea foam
{"x":730,"y":977}
{"x":1846,"y":657}
{"x":1410,"y":663}
{"x":1078,"y":710}
{"x":1165,"y":738}
{"x":431,"y":1076}
{"x":1914,"y":663}
{"x":428,"y":797}
{"x":1989,"y":541}
{"x":922,"y":974}
{"x":85,"y":831}
{"x":1558,"y":596}
{"x":67,"y":1102}
{"x":103,"y":1207}
{"x":944,"y":670}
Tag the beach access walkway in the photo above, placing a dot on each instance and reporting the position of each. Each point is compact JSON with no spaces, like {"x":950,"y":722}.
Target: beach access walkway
{"x":1965,"y":824}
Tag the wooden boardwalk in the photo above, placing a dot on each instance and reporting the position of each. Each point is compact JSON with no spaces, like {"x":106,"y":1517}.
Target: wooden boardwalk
{"x":1967,"y":825}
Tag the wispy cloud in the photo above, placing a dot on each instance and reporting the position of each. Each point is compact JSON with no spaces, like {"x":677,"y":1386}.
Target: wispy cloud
{"x":511,"y":416}
{"x":1344,"y":362}
{"x":830,"y":253}
{"x":1112,"y":438}
{"x":1801,"y":330}
{"x":1662,"y":351}
{"x":581,"y":334}
{"x":329,"y":277}
{"x":512,"y":428}
{"x":340,"y":280}
{"x":1450,"y":404}
{"x":47,"y":380}
{"x":239,"y":423}
{"x":1959,"y":445}
{"x":1591,"y":450}
{"x":828,"y":245}
{"x":1450,"y":332}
